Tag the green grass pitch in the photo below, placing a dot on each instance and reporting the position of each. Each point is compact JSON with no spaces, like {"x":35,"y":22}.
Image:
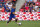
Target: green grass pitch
{"x":24,"y":24}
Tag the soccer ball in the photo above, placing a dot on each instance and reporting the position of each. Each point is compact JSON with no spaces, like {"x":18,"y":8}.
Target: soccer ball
{"x":19,"y":23}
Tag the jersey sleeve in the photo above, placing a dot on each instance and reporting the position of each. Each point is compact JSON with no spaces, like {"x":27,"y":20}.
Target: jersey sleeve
{"x":12,"y":10}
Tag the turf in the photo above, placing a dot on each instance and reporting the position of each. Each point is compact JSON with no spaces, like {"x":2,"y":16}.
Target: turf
{"x":24,"y":24}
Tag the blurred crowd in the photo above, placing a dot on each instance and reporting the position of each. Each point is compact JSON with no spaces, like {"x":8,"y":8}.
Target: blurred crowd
{"x":6,"y":5}
{"x":31,"y":6}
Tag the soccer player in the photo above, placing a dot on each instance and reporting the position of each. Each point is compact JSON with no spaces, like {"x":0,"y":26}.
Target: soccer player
{"x":12,"y":15}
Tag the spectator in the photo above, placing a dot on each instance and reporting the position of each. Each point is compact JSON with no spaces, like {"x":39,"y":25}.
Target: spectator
{"x":39,"y":8}
{"x":22,"y":10}
{"x":26,"y":8}
{"x":36,"y":8}
{"x":14,"y":1}
{"x":5,"y":0}
{"x":25,"y":3}
{"x":35,"y":0}
{"x":7,"y":9}
{"x":31,"y":8}
{"x":10,"y":5}
{"x":1,"y":5}
{"x":3,"y":9}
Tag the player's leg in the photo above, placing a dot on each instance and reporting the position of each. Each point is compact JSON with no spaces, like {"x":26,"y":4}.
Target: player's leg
{"x":9,"y":20}
{"x":16,"y":20}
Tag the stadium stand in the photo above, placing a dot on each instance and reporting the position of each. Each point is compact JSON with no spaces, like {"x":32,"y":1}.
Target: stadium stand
{"x":29,"y":11}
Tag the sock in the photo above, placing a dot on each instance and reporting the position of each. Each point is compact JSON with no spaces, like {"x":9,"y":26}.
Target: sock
{"x":15,"y":20}
{"x":8,"y":22}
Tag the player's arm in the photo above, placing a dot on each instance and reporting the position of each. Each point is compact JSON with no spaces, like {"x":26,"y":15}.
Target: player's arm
{"x":14,"y":13}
